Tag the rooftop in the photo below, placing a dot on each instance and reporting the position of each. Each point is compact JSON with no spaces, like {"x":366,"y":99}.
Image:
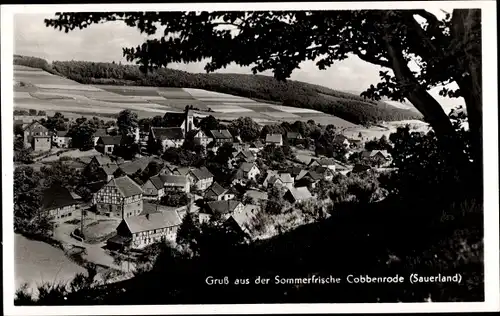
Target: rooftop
{"x":222,"y":207}
{"x":300,"y":193}
{"x":216,"y":189}
{"x":151,"y":221}
{"x":201,"y":173}
{"x":221,"y":134}
{"x":110,"y":140}
{"x":274,"y":138}
{"x":163,"y":133}
{"x":57,"y":197}
{"x":126,"y":186}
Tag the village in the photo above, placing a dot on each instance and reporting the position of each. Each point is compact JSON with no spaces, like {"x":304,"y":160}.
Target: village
{"x":134,"y":203}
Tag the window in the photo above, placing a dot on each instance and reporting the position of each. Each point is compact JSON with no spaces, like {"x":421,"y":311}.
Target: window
{"x":69,"y":214}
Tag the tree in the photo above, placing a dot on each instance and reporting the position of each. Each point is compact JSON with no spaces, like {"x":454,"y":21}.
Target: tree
{"x":82,"y":136}
{"x":32,"y":112}
{"x":127,"y":122}
{"x":41,"y":113}
{"x":275,"y":202}
{"x":447,"y":50}
{"x":189,"y":232}
{"x":209,"y":123}
{"x":22,"y":154}
{"x":55,"y":123}
{"x":246,"y":128}
{"x":175,"y":198}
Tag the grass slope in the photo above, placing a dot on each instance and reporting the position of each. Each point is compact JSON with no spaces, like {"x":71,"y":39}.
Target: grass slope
{"x":347,"y":106}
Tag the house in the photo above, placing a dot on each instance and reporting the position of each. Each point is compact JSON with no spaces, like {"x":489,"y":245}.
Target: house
{"x":177,"y":183}
{"x":294,"y":171}
{"x":167,"y":136}
{"x":98,"y":134}
{"x":201,"y":178}
{"x":269,"y":176}
{"x":140,"y":231}
{"x":181,"y":120}
{"x":221,"y":136}
{"x":96,"y":162}
{"x":246,"y":171}
{"x":298,"y":194}
{"x":323,"y":162}
{"x":61,"y":139}
{"x":309,"y":177}
{"x":120,"y":197}
{"x":326,"y":173}
{"x":167,"y":169}
{"x":154,"y":187}
{"x":200,"y":138}
{"x":360,"y":168}
{"x":376,"y":154}
{"x":256,"y":146}
{"x":243,"y":221}
{"x":106,"y":144}
{"x":274,"y":139}
{"x":217,"y":192}
{"x":340,"y":139}
{"x":294,"y":137}
{"x":109,"y":171}
{"x":131,"y":167}
{"x":244,"y":155}
{"x":222,"y":209}
{"x":37,"y":136}
{"x":355,"y":143}
{"x":60,"y":204}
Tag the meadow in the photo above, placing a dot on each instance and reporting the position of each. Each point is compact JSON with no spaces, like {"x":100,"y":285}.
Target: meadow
{"x":40,"y":90}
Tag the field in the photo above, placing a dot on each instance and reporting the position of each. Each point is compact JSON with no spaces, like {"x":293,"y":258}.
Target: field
{"x":37,"y":89}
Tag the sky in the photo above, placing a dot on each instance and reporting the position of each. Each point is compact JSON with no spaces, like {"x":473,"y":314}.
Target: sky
{"x":104,"y":43}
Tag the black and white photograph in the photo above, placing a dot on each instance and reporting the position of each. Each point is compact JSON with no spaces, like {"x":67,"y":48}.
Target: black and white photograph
{"x":176,"y":156}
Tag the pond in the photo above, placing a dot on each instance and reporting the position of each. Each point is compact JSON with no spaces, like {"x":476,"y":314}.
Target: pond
{"x":37,"y":262}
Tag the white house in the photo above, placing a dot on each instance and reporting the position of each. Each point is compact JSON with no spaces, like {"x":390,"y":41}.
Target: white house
{"x":168,"y":136}
{"x":274,"y":139}
{"x":61,"y":139}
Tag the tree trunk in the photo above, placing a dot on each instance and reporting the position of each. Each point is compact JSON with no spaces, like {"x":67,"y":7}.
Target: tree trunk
{"x":466,"y":32}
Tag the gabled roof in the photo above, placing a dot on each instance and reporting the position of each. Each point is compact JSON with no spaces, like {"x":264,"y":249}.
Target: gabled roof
{"x":174,"y":119}
{"x":360,"y":168}
{"x":256,"y":144}
{"x":215,"y":189}
{"x":274,"y":138}
{"x":293,"y":170}
{"x":221,"y":134}
{"x":339,"y":138}
{"x":246,"y":166}
{"x":158,"y":181}
{"x":96,"y":186}
{"x":109,"y":169}
{"x":245,"y":153}
{"x":222,"y":207}
{"x":300,"y":193}
{"x":62,"y":133}
{"x":126,"y":186}
{"x":324,"y":161}
{"x":182,"y":171}
{"x":176,"y":180}
{"x":163,"y":133}
{"x":152,"y":221}
{"x":201,"y":173}
{"x":110,"y":140}
{"x":57,"y":197}
{"x":293,"y":135}
{"x":286,"y":178}
{"x":131,"y":167}
{"x":245,"y":218}
{"x":103,"y":160}
{"x":34,"y":122}
{"x":100,"y":132}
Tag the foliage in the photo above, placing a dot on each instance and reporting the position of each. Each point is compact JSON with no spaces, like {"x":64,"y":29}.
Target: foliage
{"x":22,"y":154}
{"x":446,"y":50}
{"x":246,"y":128}
{"x":378,"y":144}
{"x":57,"y":122}
{"x":181,"y":157}
{"x":275,"y":203}
{"x":82,"y":136}
{"x":174,"y":198}
{"x":209,"y":123}
{"x":189,"y":233}
{"x":127,"y":122}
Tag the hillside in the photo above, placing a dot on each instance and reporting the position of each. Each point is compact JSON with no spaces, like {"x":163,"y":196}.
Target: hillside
{"x":347,"y":106}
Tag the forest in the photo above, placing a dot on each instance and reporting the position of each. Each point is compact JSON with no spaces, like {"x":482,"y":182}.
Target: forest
{"x":350,"y":107}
